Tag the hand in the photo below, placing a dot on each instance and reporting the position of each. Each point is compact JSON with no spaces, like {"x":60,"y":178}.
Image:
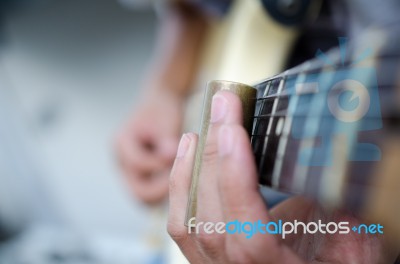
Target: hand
{"x":147,"y":145}
{"x":228,"y":191}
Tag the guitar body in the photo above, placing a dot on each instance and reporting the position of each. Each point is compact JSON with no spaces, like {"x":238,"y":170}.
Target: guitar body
{"x":246,"y":45}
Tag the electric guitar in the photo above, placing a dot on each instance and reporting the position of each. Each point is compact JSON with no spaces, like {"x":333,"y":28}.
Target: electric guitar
{"x":328,"y":129}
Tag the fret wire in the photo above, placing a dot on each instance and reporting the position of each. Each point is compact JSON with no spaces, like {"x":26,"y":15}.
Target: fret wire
{"x":316,"y":115}
{"x":279,"y":159}
{"x":266,"y":90}
{"x":273,"y":98}
{"x":383,"y":89}
{"x":270,"y":123}
{"x":262,"y":108}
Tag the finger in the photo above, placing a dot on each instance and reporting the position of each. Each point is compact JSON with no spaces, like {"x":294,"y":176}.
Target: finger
{"x":179,"y":185}
{"x":238,"y":183}
{"x":148,"y":184}
{"x":150,"y":189}
{"x":135,"y":156}
{"x":226,"y":108}
{"x":180,"y":178}
{"x":241,"y":200}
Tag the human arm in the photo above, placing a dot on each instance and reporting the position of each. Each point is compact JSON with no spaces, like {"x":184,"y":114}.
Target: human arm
{"x":146,"y":145}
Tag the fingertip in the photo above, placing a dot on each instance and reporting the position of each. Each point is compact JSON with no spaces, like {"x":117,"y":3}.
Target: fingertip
{"x":193,"y":137}
{"x":232,"y":98}
{"x":233,"y":105}
{"x":183,"y":146}
{"x":186,"y":141}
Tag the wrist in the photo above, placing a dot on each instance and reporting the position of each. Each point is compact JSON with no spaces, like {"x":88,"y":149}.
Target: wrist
{"x":169,"y":87}
{"x":177,"y":88}
{"x":163,"y":92}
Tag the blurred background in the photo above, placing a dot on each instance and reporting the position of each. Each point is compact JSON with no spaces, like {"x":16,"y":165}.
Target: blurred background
{"x":70,"y":73}
{"x":68,"y":76}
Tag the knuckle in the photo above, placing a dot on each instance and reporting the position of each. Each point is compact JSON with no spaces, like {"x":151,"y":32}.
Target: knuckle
{"x":210,"y":153}
{"x":177,"y":232}
{"x":203,"y":239}
{"x":210,"y":244}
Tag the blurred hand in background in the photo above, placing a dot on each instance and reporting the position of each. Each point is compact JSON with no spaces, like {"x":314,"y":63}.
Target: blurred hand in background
{"x":147,"y":144}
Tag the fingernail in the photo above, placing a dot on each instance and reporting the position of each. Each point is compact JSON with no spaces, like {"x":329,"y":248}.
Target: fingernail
{"x":225,"y":141}
{"x":219,"y":108}
{"x":183,"y":146}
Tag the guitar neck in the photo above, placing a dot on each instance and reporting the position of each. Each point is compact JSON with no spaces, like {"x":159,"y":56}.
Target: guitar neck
{"x":328,"y":129}
{"x":331,"y":132}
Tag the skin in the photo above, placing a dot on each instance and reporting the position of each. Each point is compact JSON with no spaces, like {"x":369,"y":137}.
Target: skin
{"x":147,"y":143}
{"x":228,"y":190}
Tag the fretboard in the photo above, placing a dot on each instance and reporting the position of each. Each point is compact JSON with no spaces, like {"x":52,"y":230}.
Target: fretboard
{"x":319,"y":129}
